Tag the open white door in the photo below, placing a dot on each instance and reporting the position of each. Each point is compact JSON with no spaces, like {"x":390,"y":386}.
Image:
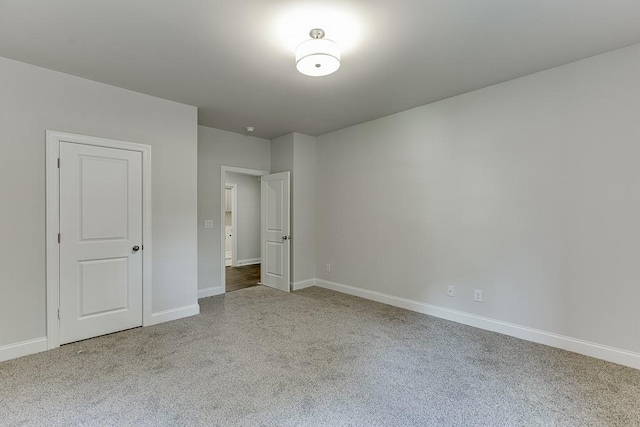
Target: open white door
{"x":276,"y":236}
{"x":100,"y":240}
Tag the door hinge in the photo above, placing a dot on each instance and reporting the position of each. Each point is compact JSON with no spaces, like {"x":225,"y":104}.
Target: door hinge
{"x":58,"y":162}
{"x":58,"y":313}
{"x":58,"y":237}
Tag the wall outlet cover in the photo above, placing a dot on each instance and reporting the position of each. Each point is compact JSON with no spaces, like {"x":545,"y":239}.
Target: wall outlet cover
{"x":477,"y":295}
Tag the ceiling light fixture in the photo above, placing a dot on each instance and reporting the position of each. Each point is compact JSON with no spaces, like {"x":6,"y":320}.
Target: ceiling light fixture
{"x":318,"y":56}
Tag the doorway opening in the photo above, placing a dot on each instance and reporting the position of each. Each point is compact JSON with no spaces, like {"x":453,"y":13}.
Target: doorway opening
{"x":241,"y":228}
{"x":270,"y":264}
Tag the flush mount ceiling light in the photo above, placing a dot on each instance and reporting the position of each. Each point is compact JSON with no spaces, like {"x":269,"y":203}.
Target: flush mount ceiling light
{"x":318,"y":56}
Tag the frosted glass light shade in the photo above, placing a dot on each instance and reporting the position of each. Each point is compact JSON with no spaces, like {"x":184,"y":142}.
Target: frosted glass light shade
{"x":317,"y":57}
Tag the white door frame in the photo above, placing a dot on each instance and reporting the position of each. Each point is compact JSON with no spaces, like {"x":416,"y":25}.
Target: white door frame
{"x":53,"y":140}
{"x":223,"y":175}
{"x":234,"y":222}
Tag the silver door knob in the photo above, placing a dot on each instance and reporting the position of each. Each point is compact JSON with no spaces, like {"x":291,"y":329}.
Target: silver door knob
{"x":136,"y":248}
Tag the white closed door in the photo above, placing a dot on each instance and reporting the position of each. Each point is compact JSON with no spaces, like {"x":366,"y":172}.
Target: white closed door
{"x":276,"y":235}
{"x":100,"y":241}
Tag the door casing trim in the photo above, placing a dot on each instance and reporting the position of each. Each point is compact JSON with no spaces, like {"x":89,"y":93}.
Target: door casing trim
{"x":53,"y":140}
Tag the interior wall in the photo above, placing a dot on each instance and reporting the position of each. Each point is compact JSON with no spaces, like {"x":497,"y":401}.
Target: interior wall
{"x":217,"y":148}
{"x":34,"y":100}
{"x":527,"y":190}
{"x":295,"y":152}
{"x":282,"y":161}
{"x":282,"y":154}
{"x":248,"y":215}
{"x":304,"y":207}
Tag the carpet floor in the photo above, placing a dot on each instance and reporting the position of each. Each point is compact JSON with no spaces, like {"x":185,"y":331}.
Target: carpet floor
{"x":259,"y":356}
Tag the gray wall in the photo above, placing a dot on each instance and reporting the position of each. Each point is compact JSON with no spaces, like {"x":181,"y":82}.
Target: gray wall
{"x":248,"y":215}
{"x":35,"y":99}
{"x":282,"y":161}
{"x":282,"y":154}
{"x":527,"y":190}
{"x":304,"y":207}
{"x":295,"y":152}
{"x":215,"y":149}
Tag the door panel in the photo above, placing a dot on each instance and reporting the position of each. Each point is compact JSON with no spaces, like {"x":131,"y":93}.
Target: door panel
{"x":275,"y":191}
{"x":100,"y":223}
{"x":276,"y":242}
{"x":104,"y":286}
{"x":274,"y":259}
{"x":103,"y":182}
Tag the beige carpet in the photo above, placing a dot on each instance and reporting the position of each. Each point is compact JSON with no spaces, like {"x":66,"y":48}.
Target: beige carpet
{"x":314,"y":357}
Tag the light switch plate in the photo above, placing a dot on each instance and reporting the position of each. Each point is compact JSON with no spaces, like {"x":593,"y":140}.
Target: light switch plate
{"x":208,"y":223}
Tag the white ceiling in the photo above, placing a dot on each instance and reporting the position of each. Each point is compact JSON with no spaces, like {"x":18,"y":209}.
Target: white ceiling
{"x":233,"y":60}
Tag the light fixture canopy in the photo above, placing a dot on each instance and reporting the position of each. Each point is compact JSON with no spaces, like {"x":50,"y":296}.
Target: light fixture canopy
{"x":318,"y":56}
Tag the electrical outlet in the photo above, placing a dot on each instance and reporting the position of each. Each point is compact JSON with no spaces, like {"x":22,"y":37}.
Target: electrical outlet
{"x":477,"y":295}
{"x":450,"y":290}
{"x":208,"y":223}
{"x":328,"y":268}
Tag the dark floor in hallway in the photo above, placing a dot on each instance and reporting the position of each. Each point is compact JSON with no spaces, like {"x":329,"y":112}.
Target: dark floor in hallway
{"x":242,"y":277}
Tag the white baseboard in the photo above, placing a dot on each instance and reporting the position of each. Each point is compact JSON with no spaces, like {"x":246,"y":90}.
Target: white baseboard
{"x":610,"y":354}
{"x":249,"y":261}
{"x":174,"y":313}
{"x":209,"y":292}
{"x":295,"y":286}
{"x":23,"y":348}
